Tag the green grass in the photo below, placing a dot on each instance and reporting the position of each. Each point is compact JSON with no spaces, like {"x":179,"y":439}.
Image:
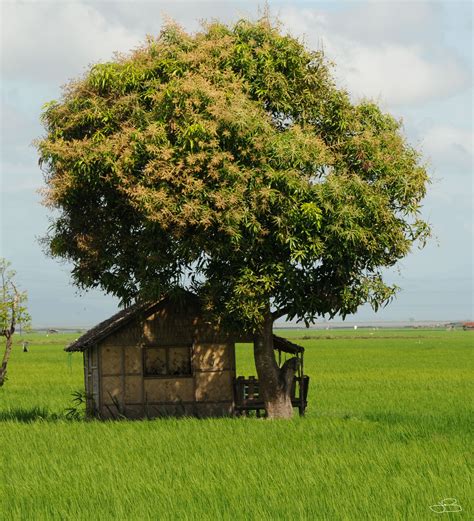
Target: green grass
{"x":387,"y":434}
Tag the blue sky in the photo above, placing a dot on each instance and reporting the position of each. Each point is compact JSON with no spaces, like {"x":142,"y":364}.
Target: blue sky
{"x":414,"y":58}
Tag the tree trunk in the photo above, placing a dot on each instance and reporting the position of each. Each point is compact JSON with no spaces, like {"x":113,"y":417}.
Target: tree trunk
{"x":275,"y":383}
{"x":6,"y":357}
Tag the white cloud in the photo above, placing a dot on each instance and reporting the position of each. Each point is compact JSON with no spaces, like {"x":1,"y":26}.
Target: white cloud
{"x":378,"y":53}
{"x":396,"y":74}
{"x":373,"y":22}
{"x":55,"y":41}
{"x":449,"y":148}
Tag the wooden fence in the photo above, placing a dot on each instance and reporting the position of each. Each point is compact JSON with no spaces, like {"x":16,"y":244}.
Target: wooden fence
{"x":247,"y":395}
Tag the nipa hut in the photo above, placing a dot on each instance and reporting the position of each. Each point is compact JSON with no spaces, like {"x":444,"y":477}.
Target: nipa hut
{"x":164,"y":359}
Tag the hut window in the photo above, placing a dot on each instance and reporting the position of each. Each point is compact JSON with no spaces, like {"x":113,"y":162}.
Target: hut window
{"x":167,"y":361}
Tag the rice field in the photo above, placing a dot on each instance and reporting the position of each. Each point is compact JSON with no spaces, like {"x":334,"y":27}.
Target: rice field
{"x":388,"y":434}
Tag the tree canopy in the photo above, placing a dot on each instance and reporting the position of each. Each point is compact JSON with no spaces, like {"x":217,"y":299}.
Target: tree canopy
{"x":13,"y":312}
{"x":12,"y":301}
{"x":228,"y":162}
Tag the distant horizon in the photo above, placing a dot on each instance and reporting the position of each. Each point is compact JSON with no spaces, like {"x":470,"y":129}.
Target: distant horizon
{"x":292,"y":325}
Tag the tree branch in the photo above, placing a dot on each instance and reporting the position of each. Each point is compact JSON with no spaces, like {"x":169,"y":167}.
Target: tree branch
{"x":287,"y":373}
{"x":280,"y":313}
{"x":15,"y":301}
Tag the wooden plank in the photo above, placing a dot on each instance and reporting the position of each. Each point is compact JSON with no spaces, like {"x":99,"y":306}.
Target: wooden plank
{"x":214,"y":357}
{"x":133,"y":360}
{"x":212,"y":386}
{"x":111,"y":389}
{"x":111,"y":359}
{"x":122,"y":379}
{"x":169,"y":389}
{"x":98,"y":348}
{"x":133,"y":389}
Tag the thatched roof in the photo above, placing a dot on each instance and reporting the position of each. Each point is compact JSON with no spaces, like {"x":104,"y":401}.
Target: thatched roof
{"x":143,"y":310}
{"x":112,"y":324}
{"x":286,"y":346}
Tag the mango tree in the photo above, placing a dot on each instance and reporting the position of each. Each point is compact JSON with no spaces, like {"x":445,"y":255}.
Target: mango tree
{"x":229,"y":163}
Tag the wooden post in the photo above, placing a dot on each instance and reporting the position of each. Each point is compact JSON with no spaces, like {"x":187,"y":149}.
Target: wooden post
{"x":302,"y":383}
{"x":251,"y":392}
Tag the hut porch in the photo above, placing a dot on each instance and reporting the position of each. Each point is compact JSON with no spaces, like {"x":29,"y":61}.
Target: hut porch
{"x":247,"y":390}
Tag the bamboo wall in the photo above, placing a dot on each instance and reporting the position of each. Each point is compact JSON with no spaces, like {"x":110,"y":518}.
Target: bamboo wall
{"x":116,"y":380}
